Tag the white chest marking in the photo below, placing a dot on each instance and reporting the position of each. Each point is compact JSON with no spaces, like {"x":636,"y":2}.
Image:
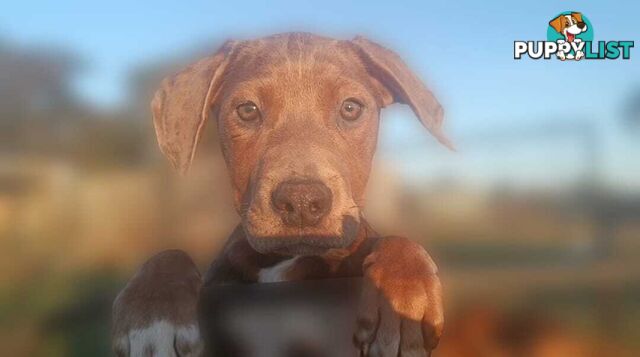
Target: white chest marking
{"x":276,"y":273}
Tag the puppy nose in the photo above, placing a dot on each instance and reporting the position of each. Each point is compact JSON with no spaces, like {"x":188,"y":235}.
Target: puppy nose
{"x":301,"y":203}
{"x":581,"y":25}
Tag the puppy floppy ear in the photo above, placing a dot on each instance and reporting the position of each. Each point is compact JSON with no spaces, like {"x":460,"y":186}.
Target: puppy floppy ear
{"x":404,"y":86}
{"x":558,"y":23}
{"x":182,"y":104}
{"x":577,"y":16}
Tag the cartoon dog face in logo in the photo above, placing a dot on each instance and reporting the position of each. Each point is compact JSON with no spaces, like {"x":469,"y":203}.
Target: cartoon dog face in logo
{"x":569,"y":25}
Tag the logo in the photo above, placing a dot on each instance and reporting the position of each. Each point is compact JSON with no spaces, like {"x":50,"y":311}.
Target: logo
{"x":570,"y":38}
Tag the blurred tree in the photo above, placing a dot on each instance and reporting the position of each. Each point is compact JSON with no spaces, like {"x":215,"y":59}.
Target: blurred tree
{"x":35,"y":81}
{"x":40,"y":114}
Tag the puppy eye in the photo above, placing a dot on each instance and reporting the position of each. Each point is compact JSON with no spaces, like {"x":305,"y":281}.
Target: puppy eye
{"x":248,"y":111}
{"x":351,"y":109}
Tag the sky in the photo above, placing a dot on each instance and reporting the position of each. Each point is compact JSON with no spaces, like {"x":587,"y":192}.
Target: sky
{"x":463,"y":49}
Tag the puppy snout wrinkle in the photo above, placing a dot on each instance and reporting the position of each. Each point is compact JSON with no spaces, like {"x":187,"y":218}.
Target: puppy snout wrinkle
{"x":301,"y":203}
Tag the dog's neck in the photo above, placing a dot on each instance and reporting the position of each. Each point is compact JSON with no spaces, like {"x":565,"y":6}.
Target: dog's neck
{"x":238,"y":261}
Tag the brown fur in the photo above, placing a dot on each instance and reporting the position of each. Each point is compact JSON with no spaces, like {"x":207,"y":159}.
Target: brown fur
{"x":298,"y":81}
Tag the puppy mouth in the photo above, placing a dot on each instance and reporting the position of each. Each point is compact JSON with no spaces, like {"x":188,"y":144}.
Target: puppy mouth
{"x":570,"y":37}
{"x":300,"y":214}
{"x":311,"y":245}
{"x":302,"y":243}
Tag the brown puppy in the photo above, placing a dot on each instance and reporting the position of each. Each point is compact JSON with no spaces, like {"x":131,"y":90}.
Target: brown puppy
{"x":297,"y":116}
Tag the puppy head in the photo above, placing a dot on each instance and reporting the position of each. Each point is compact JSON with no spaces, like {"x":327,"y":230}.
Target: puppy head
{"x":569,"y":25}
{"x":297,"y":116}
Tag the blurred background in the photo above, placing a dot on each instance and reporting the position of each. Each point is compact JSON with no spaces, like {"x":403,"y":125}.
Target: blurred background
{"x":535,"y":221}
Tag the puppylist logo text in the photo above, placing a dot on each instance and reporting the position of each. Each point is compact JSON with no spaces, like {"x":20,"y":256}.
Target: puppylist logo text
{"x":570,"y":38}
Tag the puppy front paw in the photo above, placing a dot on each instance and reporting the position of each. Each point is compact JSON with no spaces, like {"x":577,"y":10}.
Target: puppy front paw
{"x":579,"y":55}
{"x":155,"y":314}
{"x":401,"y":310}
